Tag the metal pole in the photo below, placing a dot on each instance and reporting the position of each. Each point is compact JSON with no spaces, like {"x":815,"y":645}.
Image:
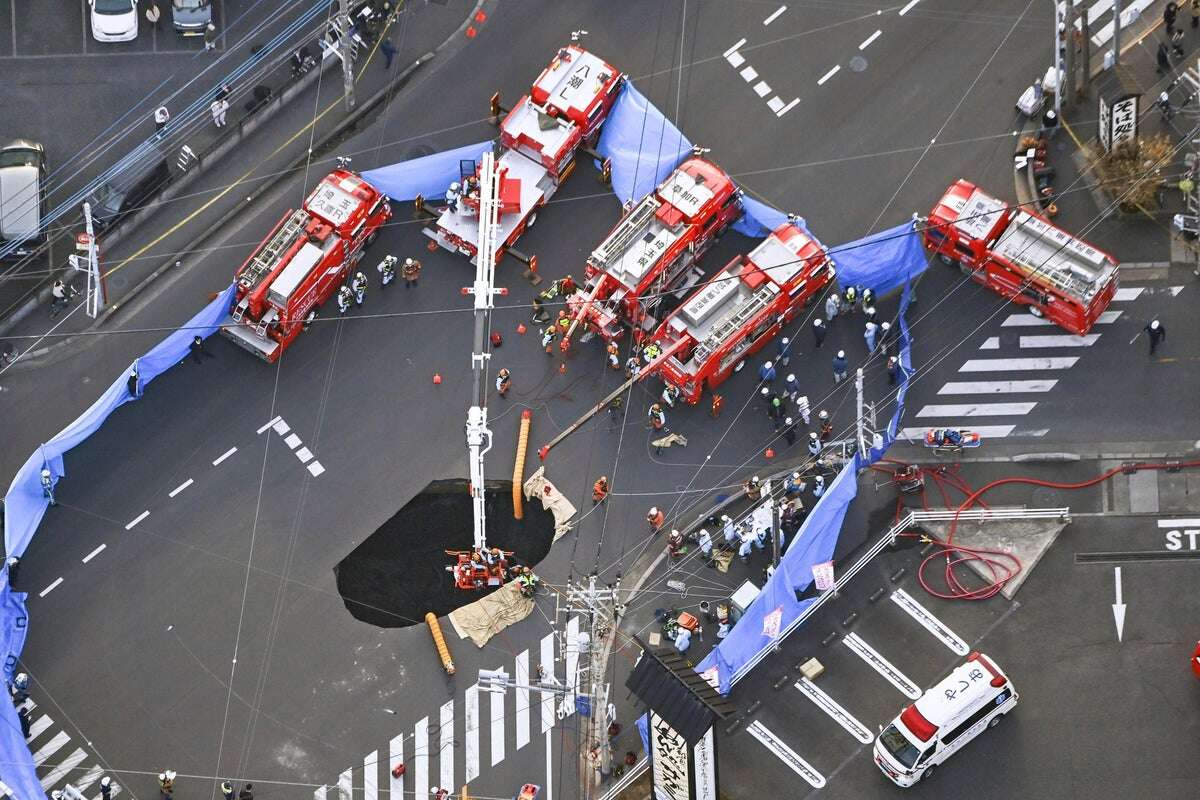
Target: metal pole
{"x":858,"y":388}
{"x":95,"y":295}
{"x":347,"y":53}
{"x":1116,"y":44}
{"x":1060,"y":39}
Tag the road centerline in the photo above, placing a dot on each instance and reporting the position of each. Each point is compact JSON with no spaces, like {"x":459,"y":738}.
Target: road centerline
{"x":94,"y":553}
{"x":181,"y":487}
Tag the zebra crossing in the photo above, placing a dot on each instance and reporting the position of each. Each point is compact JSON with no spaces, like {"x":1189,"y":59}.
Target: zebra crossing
{"x":430,"y":749}
{"x":1044,"y":358}
{"x":58,"y":760}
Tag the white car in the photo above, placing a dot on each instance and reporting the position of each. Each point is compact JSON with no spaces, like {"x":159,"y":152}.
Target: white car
{"x":114,"y":20}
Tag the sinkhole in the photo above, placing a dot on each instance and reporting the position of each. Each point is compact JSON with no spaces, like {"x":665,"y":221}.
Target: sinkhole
{"x":399,"y":572}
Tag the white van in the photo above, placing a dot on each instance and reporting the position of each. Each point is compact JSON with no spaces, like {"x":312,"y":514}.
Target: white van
{"x":22,"y":195}
{"x":972,"y":697}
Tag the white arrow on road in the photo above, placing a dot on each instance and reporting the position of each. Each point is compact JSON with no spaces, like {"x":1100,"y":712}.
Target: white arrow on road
{"x":1119,"y":605}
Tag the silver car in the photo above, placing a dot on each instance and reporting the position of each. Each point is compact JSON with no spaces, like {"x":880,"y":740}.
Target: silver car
{"x":191,"y":17}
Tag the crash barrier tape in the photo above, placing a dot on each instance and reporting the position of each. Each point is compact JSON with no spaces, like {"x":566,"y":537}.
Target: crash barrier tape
{"x":519,"y":466}
{"x":439,"y":641}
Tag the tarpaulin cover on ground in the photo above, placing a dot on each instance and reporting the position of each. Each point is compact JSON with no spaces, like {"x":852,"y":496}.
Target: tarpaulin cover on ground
{"x":428,"y":176}
{"x":17,"y":770}
{"x":882,"y":261}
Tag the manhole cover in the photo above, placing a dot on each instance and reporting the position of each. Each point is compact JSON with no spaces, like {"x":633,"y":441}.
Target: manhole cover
{"x":418,"y":150}
{"x":858,"y":64}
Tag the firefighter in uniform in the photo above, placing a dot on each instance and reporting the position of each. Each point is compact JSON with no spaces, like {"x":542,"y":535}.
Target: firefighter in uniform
{"x":387,"y":271}
{"x":633,"y":367}
{"x":548,"y":339}
{"x":503,"y":382}
{"x":826,"y":425}
{"x":849,"y":299}
{"x":344,"y":297}
{"x":613,"y":351}
{"x":669,"y":395}
{"x":658,"y":420}
{"x":600,"y":489}
{"x":359,"y":287}
{"x":655,"y":519}
{"x":412,"y":271}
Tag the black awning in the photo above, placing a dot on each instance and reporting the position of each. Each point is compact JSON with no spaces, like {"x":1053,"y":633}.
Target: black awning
{"x":669,"y":685}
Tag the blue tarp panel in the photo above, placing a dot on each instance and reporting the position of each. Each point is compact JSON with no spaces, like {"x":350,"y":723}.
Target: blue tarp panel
{"x":814,"y":544}
{"x":24,"y":504}
{"x":16,"y":764}
{"x":642,"y":144}
{"x":643,"y":726}
{"x":760,"y":219}
{"x":428,"y":176}
{"x":906,"y":372}
{"x":882,"y":261}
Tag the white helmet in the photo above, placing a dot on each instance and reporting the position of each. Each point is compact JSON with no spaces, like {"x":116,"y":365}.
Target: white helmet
{"x":791,"y":377}
{"x":886,"y":326}
{"x":726,"y":518}
{"x":454,"y":186}
{"x":841,"y":353}
{"x":21,"y":678}
{"x":765,"y":391}
{"x":1154,"y":325}
{"x":162,"y":776}
{"x":812,"y":435}
{"x":823,"y":415}
{"x":408,"y":262}
{"x":833,"y":296}
{"x":786,"y":340}
{"x":767,"y":365}
{"x":105,"y":781}
{"x":653,"y":511}
{"x":787,"y":421}
{"x":45,"y":473}
{"x":818,"y":322}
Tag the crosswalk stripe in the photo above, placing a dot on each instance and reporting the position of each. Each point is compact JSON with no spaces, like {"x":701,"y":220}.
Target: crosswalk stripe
{"x":89,"y":777}
{"x":421,"y":758}
{"x":547,"y":662}
{"x":345,"y":785}
{"x":321,"y":793}
{"x":1029,"y":320}
{"x":977,"y":410}
{"x":395,"y":756}
{"x":36,"y":728}
{"x":985,"y":432}
{"x":521,"y":674}
{"x":496,"y":708}
{"x":1066,"y":340}
{"x":785,"y":754}
{"x":1017,"y":364}
{"x":471,"y":733}
{"x":1128,"y":293}
{"x":881,"y":665}
{"x":997,"y":387}
{"x":50,"y":748}
{"x":72,"y":761}
{"x":371,"y":776}
{"x":929,"y":622}
{"x":446,"y":745}
{"x":831,"y":707}
{"x":991,"y":343}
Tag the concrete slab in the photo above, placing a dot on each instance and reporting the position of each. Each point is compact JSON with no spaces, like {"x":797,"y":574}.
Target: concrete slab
{"x":1143,"y":492}
{"x":1028,"y":540}
{"x":1173,"y":495}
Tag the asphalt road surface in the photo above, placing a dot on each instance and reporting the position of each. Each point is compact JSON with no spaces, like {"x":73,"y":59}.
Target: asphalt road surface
{"x":210,"y":616}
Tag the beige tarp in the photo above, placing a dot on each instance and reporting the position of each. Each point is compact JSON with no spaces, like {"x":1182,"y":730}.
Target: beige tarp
{"x":538,"y":486}
{"x":484,"y":618}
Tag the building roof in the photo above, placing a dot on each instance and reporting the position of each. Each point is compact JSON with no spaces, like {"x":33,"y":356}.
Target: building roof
{"x":664,"y":681}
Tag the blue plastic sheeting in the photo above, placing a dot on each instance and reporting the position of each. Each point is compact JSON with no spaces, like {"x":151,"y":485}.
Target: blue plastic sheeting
{"x":882,"y":261}
{"x":24,"y":504}
{"x":16,"y":764}
{"x":642,"y":144}
{"x":814,"y":544}
{"x":428,"y":176}
{"x":760,"y":219}
{"x":643,"y":728}
{"x":906,"y":372}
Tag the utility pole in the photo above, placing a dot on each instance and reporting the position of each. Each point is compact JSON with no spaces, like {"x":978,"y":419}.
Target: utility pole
{"x":861,"y":419}
{"x":1060,"y":49}
{"x":95,"y":298}
{"x":346,"y":51}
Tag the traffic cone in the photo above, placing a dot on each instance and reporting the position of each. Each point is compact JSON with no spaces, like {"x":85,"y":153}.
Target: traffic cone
{"x":521,"y":328}
{"x":770,"y":453}
{"x":437,"y":378}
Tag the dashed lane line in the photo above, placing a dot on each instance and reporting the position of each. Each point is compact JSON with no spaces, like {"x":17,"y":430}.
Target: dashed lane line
{"x":786,"y":754}
{"x":909,"y":7}
{"x":181,"y":487}
{"x":867,"y":42}
{"x":774,"y":15}
{"x":831,"y":707}
{"x":94,"y":553}
{"x":830,"y":74}
{"x":50,"y":588}
{"x":1128,"y":293}
{"x":133,"y":522}
{"x":270,"y":424}
{"x":224,"y":456}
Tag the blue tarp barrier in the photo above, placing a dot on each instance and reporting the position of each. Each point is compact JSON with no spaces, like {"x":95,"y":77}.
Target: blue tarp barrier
{"x":24,"y":504}
{"x":643,"y":726}
{"x":428,"y":176}
{"x":882,"y":261}
{"x":760,"y":219}
{"x":906,"y":371}
{"x":16,"y":764}
{"x":776,"y":606}
{"x":642,"y":144}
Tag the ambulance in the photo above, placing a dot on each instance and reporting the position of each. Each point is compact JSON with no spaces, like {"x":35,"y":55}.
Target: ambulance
{"x":973,"y":697}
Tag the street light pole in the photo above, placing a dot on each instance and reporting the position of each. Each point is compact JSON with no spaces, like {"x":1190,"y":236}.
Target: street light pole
{"x":1116,"y":48}
{"x":347,"y":53}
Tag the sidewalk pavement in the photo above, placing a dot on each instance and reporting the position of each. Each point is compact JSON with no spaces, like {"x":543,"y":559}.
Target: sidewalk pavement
{"x":314,"y":120}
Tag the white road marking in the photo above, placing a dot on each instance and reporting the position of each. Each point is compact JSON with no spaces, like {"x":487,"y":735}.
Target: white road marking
{"x":181,"y":487}
{"x":130,"y":525}
{"x":1017,"y":364}
{"x":346,"y":784}
{"x":521,"y":676}
{"x":36,"y":728}
{"x":1175,"y":290}
{"x":64,"y":767}
{"x":321,"y":793}
{"x":270,"y":424}
{"x":50,"y":748}
{"x":788,"y":107}
{"x":734,"y":49}
{"x":749,"y":74}
{"x":89,"y":777}
{"x":929,"y":622}
{"x":94,"y":553}
{"x":985,"y":431}
{"x":775,"y":104}
{"x":1128,"y":293}
{"x":315,"y":468}
{"x":547,"y":662}
{"x":831,"y":707}
{"x":471,"y":733}
{"x":881,"y":665}
{"x":991,"y":343}
{"x":446,"y":746}
{"x":281,"y":427}
{"x":50,"y":588}
{"x":908,"y":7}
{"x":549,"y":768}
{"x":1066,"y":340}
{"x":996,"y":387}
{"x":774,"y":15}
{"x":786,"y":754}
{"x":735,"y":60}
{"x":396,"y":756}
{"x":829,"y":74}
{"x":1179,"y":523}
{"x":977,"y":410}
{"x":1030,"y":321}
{"x":762,"y":89}
{"x":225,"y":455}
{"x":371,"y":776}
{"x":292,"y":441}
{"x":304,"y":454}
{"x":867,"y":42}
{"x":421,"y":758}
{"x":496,"y":709}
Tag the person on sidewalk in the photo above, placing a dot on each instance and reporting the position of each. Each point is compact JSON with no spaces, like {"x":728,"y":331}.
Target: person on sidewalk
{"x":106,"y":788}
{"x":219,"y":109}
{"x":833,"y":304}
{"x":197,"y":349}
{"x":411,"y":272}
{"x":389,"y":53}
{"x":785,"y":357}
{"x":766,"y":372}
{"x":1156,"y":332}
{"x":819,"y":331}
{"x":803,"y":408}
{"x":840,"y":366}
{"x":161,"y":117}
{"x":210,"y":37}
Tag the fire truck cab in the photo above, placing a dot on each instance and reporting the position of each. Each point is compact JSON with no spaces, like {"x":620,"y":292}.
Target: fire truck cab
{"x":536,"y":151}
{"x":742,"y":308}
{"x":654,"y":248}
{"x":303,"y":262}
{"x":1022,"y":256}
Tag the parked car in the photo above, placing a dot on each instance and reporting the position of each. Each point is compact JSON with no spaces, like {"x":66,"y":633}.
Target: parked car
{"x":191,"y":17}
{"x":22,"y":194}
{"x":114,"y":20}
{"x":130,"y":188}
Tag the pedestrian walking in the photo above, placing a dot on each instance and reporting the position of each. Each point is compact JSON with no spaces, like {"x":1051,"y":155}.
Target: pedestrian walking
{"x":389,"y":52}
{"x":60,"y":297}
{"x":247,"y":792}
{"x":411,"y":272}
{"x":818,"y":485}
{"x":161,"y":117}
{"x":1156,"y":332}
{"x":655,"y":519}
{"x":729,"y":531}
{"x":870,"y":331}
{"x":153,"y":15}
{"x":819,"y":331}
{"x":1163,"y":56}
{"x":802,"y":408}
{"x":791,"y":387}
{"x":548,"y":339}
{"x":885,"y":336}
{"x":1170,"y":10}
{"x":166,"y":783}
{"x":766,"y":372}
{"x":106,"y":788}
{"x":789,"y":431}
{"x":893,"y":370}
{"x":718,"y":402}
{"x":218,"y":110}
{"x":386,"y":270}
{"x":503,"y":382}
{"x":344,"y":298}
{"x":706,"y":545}
{"x":198,"y":350}
{"x":785,"y":356}
{"x":840,"y":366}
{"x":359,"y":286}
{"x":833,"y":304}
{"x":600,"y":489}
{"x":210,"y":37}
{"x":814,"y":444}
{"x":227,"y":790}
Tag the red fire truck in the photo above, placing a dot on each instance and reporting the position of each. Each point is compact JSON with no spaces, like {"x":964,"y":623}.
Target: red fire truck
{"x":1022,"y":256}
{"x":303,"y":262}
{"x":539,"y":138}
{"x":654,"y":249}
{"x":742,"y":308}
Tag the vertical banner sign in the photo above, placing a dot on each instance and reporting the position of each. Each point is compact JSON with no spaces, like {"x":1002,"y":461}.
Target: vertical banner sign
{"x":823,"y":575}
{"x":1124,"y":122}
{"x":1104,"y":126}
{"x":704,"y":767}
{"x":668,"y":761}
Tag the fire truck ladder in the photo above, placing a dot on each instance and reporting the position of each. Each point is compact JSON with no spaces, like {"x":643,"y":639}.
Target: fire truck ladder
{"x":720,"y":334}
{"x":268,"y":257}
{"x":633,"y":227}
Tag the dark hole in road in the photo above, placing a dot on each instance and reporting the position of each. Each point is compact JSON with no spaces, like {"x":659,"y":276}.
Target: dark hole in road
{"x":399,"y":572}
